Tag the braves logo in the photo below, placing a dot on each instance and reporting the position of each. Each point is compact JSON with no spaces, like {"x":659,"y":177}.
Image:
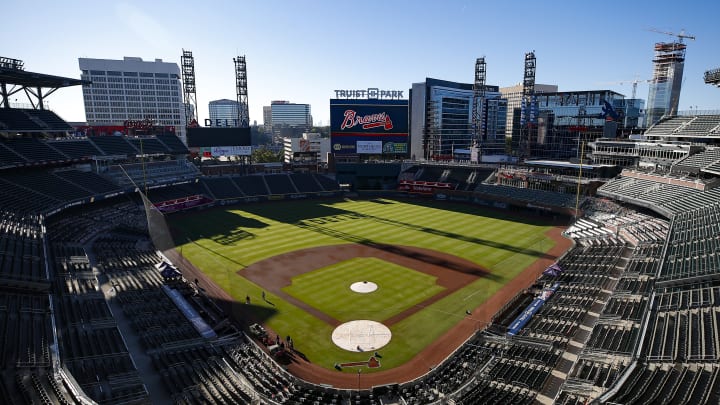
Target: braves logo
{"x":366,"y":121}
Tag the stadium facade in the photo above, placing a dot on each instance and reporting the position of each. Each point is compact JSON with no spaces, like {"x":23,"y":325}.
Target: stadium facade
{"x":132,"y":90}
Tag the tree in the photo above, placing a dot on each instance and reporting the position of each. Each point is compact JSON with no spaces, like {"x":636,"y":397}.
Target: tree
{"x":264,"y":155}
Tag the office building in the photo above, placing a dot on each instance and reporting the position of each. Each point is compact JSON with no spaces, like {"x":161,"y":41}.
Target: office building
{"x":441,"y":121}
{"x":286,"y":119}
{"x":224,"y":113}
{"x":267,"y":119}
{"x":132,"y":90}
{"x":285,"y":113}
{"x":513,"y":95}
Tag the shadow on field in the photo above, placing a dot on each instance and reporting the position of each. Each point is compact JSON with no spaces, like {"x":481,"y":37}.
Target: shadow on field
{"x":220,"y":225}
{"x":356,"y":239}
{"x":402,"y":251}
{"x":464,"y":238}
{"x":246,"y":314}
{"x":524,"y":216}
{"x":298,"y":211}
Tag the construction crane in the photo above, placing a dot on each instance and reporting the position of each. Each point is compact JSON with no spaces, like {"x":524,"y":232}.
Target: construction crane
{"x":681,"y":35}
{"x":634,"y":84}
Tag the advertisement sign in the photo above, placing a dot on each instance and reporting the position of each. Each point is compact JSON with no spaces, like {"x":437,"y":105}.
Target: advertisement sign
{"x":369,"y":147}
{"x":217,"y":136}
{"x":395,"y":148}
{"x":423,"y":187}
{"x":230,"y":151}
{"x":360,"y":126}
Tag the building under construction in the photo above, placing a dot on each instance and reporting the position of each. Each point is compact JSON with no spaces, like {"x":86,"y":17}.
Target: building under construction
{"x":565,"y":121}
{"x":664,"y":94}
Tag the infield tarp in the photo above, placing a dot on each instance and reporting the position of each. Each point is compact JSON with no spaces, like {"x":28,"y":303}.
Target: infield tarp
{"x":190,"y":313}
{"x":531,"y":310}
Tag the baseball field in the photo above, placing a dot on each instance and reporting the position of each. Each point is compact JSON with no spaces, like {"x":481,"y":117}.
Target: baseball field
{"x":432,"y":264}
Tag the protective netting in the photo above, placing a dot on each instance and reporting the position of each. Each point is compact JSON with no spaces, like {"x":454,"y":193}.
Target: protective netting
{"x":157,"y":226}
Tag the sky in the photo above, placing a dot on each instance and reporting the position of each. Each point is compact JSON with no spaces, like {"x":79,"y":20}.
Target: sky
{"x":301,"y":51}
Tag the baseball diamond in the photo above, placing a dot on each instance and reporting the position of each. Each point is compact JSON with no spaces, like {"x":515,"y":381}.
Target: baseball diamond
{"x":441,"y":270}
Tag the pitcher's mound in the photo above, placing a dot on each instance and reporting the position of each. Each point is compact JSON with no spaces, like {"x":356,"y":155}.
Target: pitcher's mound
{"x":364,"y":287}
{"x":361,"y":336}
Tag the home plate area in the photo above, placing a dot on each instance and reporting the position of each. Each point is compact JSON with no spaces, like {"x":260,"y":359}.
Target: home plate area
{"x":371,"y":363}
{"x":361,"y":336}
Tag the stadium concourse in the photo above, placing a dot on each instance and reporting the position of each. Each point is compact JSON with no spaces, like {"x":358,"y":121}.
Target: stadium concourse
{"x":92,"y":311}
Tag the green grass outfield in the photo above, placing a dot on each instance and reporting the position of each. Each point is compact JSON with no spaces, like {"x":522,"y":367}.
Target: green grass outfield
{"x":222,"y":241}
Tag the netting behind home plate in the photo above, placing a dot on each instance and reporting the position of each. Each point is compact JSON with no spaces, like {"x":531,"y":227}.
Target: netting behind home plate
{"x":157,"y":226}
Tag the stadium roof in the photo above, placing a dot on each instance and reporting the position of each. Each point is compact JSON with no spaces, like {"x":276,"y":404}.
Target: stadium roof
{"x":32,"y":79}
{"x":555,"y":163}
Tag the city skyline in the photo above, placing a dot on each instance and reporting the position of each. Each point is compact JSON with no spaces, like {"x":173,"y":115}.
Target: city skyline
{"x":303,"y":51}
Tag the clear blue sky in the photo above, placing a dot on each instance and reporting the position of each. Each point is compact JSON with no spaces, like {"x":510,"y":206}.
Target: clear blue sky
{"x":302,"y":50}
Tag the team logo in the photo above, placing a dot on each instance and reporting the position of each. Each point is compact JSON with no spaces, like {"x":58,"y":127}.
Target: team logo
{"x":380,"y":120}
{"x":389,"y":147}
{"x":337,"y":146}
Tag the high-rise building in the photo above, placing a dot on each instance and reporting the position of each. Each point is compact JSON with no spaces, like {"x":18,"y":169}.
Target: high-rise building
{"x":664,"y":91}
{"x":441,"y":120}
{"x":288,"y":120}
{"x":132,"y":89}
{"x":284,"y":113}
{"x":514,"y":94}
{"x":224,"y":113}
{"x":267,"y":119}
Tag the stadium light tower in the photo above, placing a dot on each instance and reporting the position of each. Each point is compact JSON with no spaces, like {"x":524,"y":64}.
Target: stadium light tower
{"x":712,"y":77}
{"x":527,"y":112}
{"x":242,"y":91}
{"x":478,"y":121}
{"x":189,"y":90}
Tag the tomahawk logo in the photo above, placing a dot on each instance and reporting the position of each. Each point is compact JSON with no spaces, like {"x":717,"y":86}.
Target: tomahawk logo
{"x":366,"y":121}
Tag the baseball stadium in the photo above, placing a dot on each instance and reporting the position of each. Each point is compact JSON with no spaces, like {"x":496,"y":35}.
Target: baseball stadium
{"x":135,"y":272}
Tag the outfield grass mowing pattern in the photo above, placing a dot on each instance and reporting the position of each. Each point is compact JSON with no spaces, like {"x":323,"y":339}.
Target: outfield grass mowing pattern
{"x":225,"y":240}
{"x":328,"y":289}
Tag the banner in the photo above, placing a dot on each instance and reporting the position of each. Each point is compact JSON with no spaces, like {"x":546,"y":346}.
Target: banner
{"x":369,"y":147}
{"x":230,"y":151}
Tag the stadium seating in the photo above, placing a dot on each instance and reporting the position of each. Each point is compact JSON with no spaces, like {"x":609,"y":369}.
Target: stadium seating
{"x":8,"y":158}
{"x":280,"y":184}
{"x":31,"y":120}
{"x":305,"y":183}
{"x":149,"y":146}
{"x":152,"y":173}
{"x":34,"y":150}
{"x":113,"y":145}
{"x":252,"y":186}
{"x":527,"y":195}
{"x":222,"y":188}
{"x":75,"y":148}
{"x":90,"y":181}
{"x":695,"y":163}
{"x":638,"y":298}
{"x":173,"y":144}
